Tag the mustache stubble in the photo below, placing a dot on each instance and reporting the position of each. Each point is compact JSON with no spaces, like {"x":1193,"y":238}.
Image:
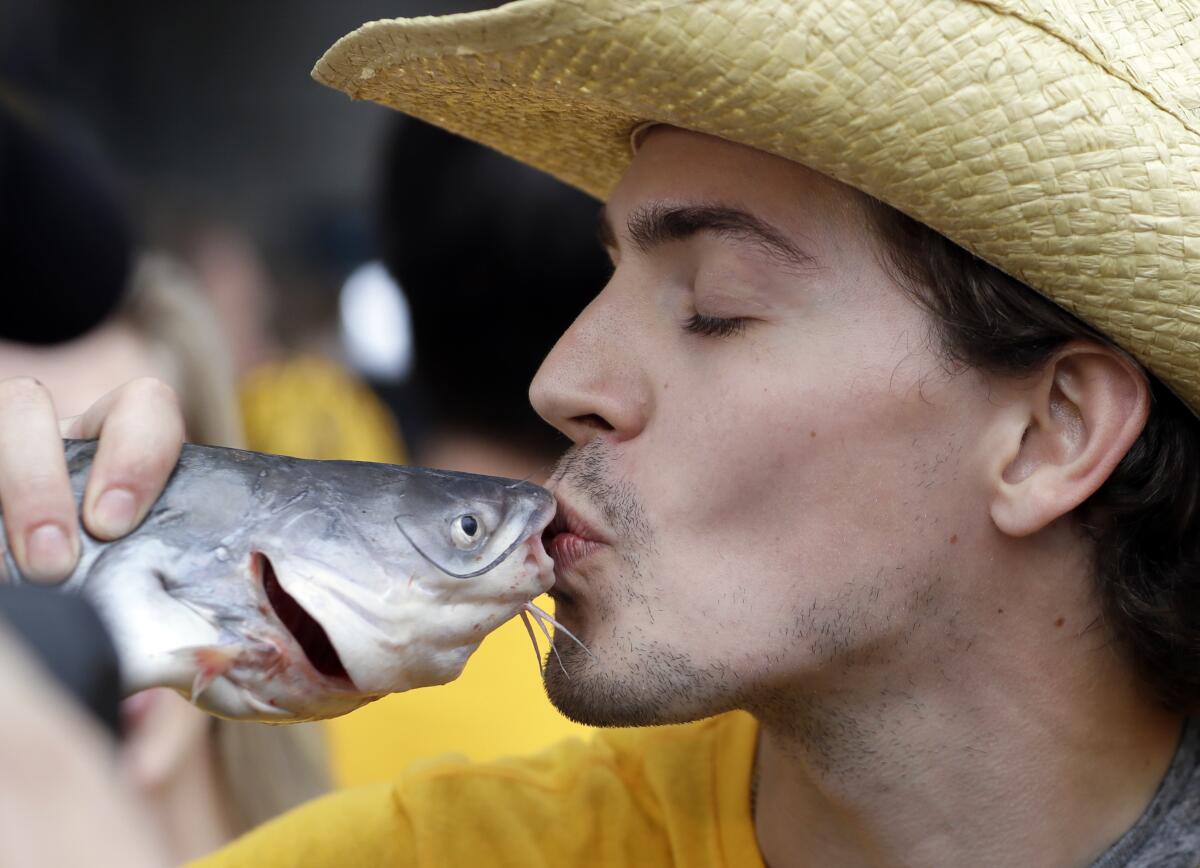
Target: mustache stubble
{"x":587,"y":470}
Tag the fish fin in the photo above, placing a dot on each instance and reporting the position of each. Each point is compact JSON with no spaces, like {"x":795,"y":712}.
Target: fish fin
{"x":200,"y":684}
{"x":265,"y":656}
{"x":211,"y":662}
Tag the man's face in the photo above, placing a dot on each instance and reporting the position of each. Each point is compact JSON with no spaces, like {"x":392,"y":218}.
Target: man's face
{"x":775,"y":461}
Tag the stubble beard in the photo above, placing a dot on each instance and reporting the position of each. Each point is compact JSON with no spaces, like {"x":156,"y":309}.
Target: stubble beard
{"x":642,"y":676}
{"x":633,"y":679}
{"x":636,"y":680}
{"x":646,"y":684}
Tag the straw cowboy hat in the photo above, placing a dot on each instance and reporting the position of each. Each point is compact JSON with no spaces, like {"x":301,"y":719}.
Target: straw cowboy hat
{"x":1057,"y":139}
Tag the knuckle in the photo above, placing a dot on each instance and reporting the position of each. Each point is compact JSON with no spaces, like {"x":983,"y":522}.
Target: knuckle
{"x":36,"y":483}
{"x":152,"y":389}
{"x":138,"y":478}
{"x":133,"y":466}
{"x":34,"y":508}
{"x":22,"y":389}
{"x":130,"y":467}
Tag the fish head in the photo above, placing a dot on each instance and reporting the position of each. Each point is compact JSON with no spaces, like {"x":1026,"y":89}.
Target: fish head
{"x":395,"y":587}
{"x":465,"y":525}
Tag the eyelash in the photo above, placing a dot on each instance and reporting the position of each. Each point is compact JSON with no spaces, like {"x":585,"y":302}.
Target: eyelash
{"x":715,"y":327}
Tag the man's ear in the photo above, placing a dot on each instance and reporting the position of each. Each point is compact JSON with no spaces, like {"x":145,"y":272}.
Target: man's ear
{"x":1064,"y":433}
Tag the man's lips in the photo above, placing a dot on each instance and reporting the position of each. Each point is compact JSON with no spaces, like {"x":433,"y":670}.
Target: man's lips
{"x":568,"y":539}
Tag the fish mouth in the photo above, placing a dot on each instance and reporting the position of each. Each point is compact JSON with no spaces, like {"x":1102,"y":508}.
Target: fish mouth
{"x":305,"y":629}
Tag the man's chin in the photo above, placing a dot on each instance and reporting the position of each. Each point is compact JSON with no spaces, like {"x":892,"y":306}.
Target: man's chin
{"x":586,"y":694}
{"x":597,"y":701}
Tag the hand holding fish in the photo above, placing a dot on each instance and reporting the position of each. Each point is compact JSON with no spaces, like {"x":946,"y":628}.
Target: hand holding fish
{"x":140,"y":431}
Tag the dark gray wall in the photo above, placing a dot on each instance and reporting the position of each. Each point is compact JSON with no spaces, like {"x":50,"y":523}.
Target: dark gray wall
{"x":207,"y":107}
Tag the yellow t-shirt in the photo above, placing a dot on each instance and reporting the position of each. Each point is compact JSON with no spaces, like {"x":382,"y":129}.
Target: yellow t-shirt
{"x":674,"y":795}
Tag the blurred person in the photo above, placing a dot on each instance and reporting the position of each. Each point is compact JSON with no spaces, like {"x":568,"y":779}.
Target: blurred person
{"x":55,"y":195}
{"x":238,"y":286}
{"x":295,"y":397}
{"x":310,"y":406}
{"x":96,"y":319}
{"x":261,"y":770}
{"x":495,"y":260}
{"x":61,"y":793}
{"x":904,"y":549}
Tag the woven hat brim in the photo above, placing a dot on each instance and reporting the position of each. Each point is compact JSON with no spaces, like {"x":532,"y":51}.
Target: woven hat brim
{"x":997,"y":131}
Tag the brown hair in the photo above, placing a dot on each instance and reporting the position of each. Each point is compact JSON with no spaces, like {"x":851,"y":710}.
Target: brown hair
{"x":1144,"y":522}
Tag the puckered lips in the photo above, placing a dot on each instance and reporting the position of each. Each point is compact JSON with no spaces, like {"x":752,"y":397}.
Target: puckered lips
{"x":568,"y":539}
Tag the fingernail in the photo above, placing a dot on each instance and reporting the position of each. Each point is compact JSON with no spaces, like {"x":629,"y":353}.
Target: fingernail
{"x":114,"y":513}
{"x":49,"y":553}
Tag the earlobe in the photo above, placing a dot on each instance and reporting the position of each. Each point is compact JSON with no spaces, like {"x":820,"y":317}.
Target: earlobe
{"x":1065,"y":432}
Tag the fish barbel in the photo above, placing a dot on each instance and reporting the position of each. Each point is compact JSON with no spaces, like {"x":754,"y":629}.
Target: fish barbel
{"x":279,"y":589}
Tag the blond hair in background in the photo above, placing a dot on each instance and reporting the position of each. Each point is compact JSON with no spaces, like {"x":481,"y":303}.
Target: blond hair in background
{"x":265,"y":769}
{"x":166,"y":310}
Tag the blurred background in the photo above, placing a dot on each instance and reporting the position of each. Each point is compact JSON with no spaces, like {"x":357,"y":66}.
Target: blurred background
{"x":207,"y":110}
{"x":316,"y":277}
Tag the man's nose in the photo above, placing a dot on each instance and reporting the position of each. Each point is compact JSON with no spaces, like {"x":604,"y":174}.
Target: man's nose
{"x":594,"y":380}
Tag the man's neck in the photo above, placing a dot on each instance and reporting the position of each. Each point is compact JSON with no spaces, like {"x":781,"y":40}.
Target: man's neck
{"x":1036,"y":746}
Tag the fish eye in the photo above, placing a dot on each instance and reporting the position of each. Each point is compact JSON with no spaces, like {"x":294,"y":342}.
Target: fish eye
{"x":466,"y":531}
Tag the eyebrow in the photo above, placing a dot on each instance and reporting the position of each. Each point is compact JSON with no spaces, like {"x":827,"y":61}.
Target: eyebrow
{"x":658,"y":223}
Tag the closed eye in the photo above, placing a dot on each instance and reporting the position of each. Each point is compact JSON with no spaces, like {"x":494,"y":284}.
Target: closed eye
{"x":713,"y":326}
